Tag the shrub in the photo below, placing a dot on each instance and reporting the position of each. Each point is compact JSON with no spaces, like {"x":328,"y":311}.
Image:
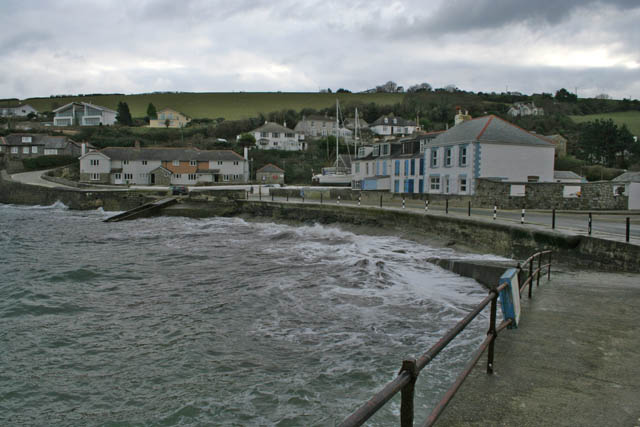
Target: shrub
{"x":46,"y":162}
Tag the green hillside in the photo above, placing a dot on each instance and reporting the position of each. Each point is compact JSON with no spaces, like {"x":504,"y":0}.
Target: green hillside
{"x":629,"y":118}
{"x":231,"y":106}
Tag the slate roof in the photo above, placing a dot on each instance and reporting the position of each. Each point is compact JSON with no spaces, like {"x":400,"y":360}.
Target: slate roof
{"x":273,"y":127}
{"x":566,"y":175}
{"x":628,"y":177}
{"x":59,"y":142}
{"x":97,"y":107}
{"x":399,"y":121}
{"x":490,"y":129}
{"x":270,"y":168}
{"x":165,"y":154}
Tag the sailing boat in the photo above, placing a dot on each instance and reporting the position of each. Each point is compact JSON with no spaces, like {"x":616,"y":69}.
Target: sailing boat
{"x":337,"y":174}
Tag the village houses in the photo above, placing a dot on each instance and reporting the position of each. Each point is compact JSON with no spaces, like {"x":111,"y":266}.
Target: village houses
{"x":163,"y":166}
{"x":83,"y":114}
{"x":27,"y":145}
{"x":272,"y":136}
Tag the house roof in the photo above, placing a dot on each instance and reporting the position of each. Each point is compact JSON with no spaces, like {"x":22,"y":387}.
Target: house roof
{"x":166,"y":154}
{"x":628,"y":177}
{"x":97,"y":107}
{"x":273,"y":127}
{"x":319,"y":118}
{"x":172,"y":110}
{"x":490,"y":129}
{"x":270,"y":168}
{"x":566,"y":175}
{"x":59,"y":142}
{"x":399,"y":121}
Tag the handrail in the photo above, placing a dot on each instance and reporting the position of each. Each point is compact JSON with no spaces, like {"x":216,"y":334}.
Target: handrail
{"x":406,"y":378}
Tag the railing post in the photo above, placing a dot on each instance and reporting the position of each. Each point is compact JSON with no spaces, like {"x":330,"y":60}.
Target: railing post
{"x":553,"y":219}
{"x":287,"y":196}
{"x":492,"y":331}
{"x":426,"y":205}
{"x":522,"y":217}
{"x":381,"y":200}
{"x":407,"y":394}
{"x":539,"y":269}
{"x":628,"y":229}
{"x":549,"y":270}
{"x":446,"y":206}
{"x":338,"y":202}
{"x":469,"y":209}
{"x":320,"y":197}
{"x":590,"y":220}
{"x":530,"y":278}
{"x":495,"y":211}
{"x":359,"y":199}
{"x":260,"y":193}
{"x":402,"y":202}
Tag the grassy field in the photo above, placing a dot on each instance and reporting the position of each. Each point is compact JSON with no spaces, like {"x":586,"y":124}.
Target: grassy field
{"x":629,"y":118}
{"x":231,"y":106}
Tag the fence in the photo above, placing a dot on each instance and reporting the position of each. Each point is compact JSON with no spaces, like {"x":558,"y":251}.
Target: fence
{"x":410,"y":369}
{"x":455,"y":206}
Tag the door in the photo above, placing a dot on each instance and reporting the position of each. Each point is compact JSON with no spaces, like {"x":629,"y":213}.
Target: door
{"x":153,"y":179}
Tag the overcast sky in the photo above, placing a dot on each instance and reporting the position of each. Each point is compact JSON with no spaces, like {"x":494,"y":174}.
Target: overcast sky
{"x":71,"y":47}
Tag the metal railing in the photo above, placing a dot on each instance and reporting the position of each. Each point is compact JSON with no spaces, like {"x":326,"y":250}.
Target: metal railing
{"x":410,"y":370}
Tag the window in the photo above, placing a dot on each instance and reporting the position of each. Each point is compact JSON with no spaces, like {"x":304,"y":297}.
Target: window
{"x":378,"y":168}
{"x":396,"y":172}
{"x":14,"y":150}
{"x":406,"y":167}
{"x":193,"y":163}
{"x":176,"y":163}
{"x":446,"y":184}
{"x":225,"y":177}
{"x":423,"y":143}
{"x":192,"y":177}
{"x":462,"y":184}
{"x":422,"y":166}
{"x":236,"y":162}
{"x":376,"y":150}
{"x":34,"y":149}
{"x":95,"y":162}
{"x":357,"y":167}
{"x":219,"y":162}
{"x":385,"y":149}
{"x":463,"y":156}
{"x":413,"y":166}
{"x":94,"y":177}
{"x":117,"y":176}
{"x":447,"y":157}
{"x":236,"y":177}
{"x":275,"y":143}
{"x":25,"y":150}
{"x":396,"y":186}
{"x":406,"y":130}
{"x":434,"y":157}
{"x":128,"y":176}
{"x":27,"y":139}
{"x":434,"y":181}
{"x":264,"y":134}
{"x":178,"y":176}
{"x":125,"y":162}
{"x":367,"y":167}
{"x":144,"y":162}
{"x":275,"y":134}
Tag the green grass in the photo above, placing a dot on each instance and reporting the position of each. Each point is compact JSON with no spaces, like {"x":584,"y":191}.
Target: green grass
{"x":629,"y":118}
{"x":231,"y":106}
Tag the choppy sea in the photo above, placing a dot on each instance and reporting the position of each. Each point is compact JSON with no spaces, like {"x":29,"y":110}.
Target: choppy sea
{"x":178,"y":321}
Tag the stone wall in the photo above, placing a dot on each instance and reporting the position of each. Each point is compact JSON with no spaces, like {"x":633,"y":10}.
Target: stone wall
{"x":549,"y":195}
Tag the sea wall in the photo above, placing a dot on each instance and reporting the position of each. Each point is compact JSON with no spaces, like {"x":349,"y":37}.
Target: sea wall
{"x":509,"y":240}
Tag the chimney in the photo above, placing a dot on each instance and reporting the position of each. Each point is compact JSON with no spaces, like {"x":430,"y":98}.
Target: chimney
{"x":246,"y":153}
{"x":285,"y":123}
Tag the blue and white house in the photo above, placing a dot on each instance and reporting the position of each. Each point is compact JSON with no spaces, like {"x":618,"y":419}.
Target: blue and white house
{"x":83,"y":114}
{"x":486,"y":147}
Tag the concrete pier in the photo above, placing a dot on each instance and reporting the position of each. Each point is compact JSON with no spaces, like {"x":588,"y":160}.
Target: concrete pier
{"x":573,"y":361}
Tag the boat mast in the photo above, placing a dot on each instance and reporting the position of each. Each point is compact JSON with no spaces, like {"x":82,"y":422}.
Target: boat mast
{"x":356,"y":125}
{"x":337,"y":135}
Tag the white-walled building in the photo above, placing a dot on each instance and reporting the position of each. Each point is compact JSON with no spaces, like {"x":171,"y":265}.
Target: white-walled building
{"x":17,"y":111}
{"x":163,"y":166}
{"x":316,"y":126}
{"x":390,"y":125}
{"x":272,"y":136}
{"x":486,"y":147}
{"x":83,"y":114}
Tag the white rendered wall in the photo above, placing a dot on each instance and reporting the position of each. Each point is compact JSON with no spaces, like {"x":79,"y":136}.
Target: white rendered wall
{"x":516,"y":162}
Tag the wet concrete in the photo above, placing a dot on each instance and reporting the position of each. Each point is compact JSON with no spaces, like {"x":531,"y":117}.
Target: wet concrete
{"x":573,"y":361}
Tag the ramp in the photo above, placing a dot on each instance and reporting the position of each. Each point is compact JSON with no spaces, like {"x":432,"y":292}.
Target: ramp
{"x":142,"y":211}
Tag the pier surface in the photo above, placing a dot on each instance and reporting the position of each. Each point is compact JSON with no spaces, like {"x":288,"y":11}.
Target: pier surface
{"x":573,"y":361}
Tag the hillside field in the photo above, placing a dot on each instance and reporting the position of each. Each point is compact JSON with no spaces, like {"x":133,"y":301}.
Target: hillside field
{"x":629,"y":118}
{"x":231,"y":106}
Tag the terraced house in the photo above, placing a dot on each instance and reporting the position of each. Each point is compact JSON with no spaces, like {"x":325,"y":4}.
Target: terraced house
{"x":163,"y":166}
{"x":83,"y":114}
{"x":27,"y":145}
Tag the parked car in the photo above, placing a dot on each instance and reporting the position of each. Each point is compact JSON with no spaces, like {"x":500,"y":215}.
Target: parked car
{"x":178,"y":190}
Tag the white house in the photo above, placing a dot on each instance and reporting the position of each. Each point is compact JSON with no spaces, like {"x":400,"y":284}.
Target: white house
{"x":316,"y":126}
{"x":486,"y":147}
{"x":272,"y":136}
{"x":17,"y":111}
{"x":83,"y":114}
{"x":525,"y":109}
{"x":163,"y":166}
{"x":390,"y":125}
